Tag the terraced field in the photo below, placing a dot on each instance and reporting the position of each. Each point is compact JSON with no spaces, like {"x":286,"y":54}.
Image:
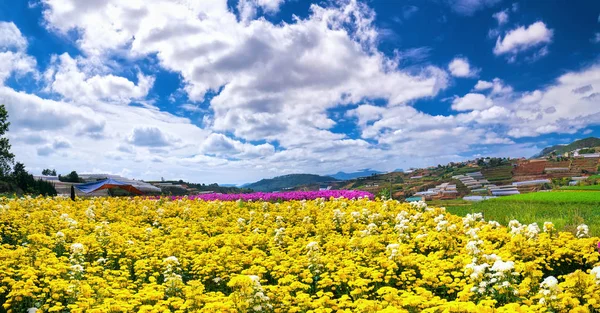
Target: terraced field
{"x":566,"y":209}
{"x":500,"y":173}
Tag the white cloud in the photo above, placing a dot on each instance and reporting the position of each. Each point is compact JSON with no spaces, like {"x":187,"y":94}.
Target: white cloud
{"x":149,"y":137}
{"x":69,"y":79}
{"x":532,"y":97}
{"x":469,"y":7}
{"x":497,"y":86}
{"x":264,"y":85}
{"x":471,"y":101}
{"x":460,"y":67}
{"x":11,"y":37}
{"x":248,"y":9}
{"x":501,"y":17}
{"x":276,"y":82}
{"x":483,"y":85}
{"x":191,"y":108}
{"x":596,"y":38}
{"x":13,"y":59}
{"x":222,"y":145}
{"x":523,"y":38}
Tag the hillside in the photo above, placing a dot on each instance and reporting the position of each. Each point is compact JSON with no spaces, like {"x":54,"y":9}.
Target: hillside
{"x":353,"y":175}
{"x":578,"y":144}
{"x":288,"y":181}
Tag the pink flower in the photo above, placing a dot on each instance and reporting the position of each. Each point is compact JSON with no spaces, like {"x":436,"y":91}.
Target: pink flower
{"x":284,"y":196}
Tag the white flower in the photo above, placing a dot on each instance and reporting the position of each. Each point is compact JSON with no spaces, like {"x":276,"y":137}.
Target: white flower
{"x":532,"y":230}
{"x":515,"y":227}
{"x":254,"y":279}
{"x":582,"y":231}
{"x":312,"y":246}
{"x":502,"y":267}
{"x":548,"y":227}
{"x":172,"y":260}
{"x":32,"y":310}
{"x":392,"y":246}
{"x":472,"y":246}
{"x":60,"y":234}
{"x":90,"y":212}
{"x":477,"y":270}
{"x":549,"y":282}
{"x":596,"y":272}
{"x":338,"y":216}
{"x":494,"y":224}
{"x":472,"y":232}
{"x":77,"y":248}
{"x":77,"y":268}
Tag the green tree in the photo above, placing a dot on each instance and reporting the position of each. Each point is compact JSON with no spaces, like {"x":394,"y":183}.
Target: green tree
{"x":72,"y":177}
{"x":6,"y":157}
{"x":28,"y":184}
{"x":49,"y":172}
{"x":20,"y":176}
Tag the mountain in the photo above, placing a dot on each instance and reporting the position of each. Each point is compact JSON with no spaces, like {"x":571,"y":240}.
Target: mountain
{"x":578,"y":144}
{"x":353,"y":175}
{"x":288,"y":181}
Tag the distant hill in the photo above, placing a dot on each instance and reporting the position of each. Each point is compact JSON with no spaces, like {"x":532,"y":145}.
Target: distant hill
{"x":578,"y":144}
{"x":287,"y":181}
{"x":353,"y":175}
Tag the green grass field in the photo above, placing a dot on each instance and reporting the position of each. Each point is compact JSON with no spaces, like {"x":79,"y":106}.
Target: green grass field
{"x":591,"y":187}
{"x":565,"y":209}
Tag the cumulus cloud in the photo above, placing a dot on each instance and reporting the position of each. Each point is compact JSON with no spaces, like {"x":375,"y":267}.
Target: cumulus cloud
{"x":523,"y":38}
{"x":148,"y":137}
{"x":273,"y":82}
{"x":596,"y":38}
{"x":471,"y":101}
{"x":269,"y":91}
{"x":483,"y":85}
{"x":460,"y":67}
{"x":11,"y":37}
{"x":248,"y":9}
{"x":496,"y":86}
{"x":221,"y":145}
{"x":69,"y":78}
{"x":13,"y":59}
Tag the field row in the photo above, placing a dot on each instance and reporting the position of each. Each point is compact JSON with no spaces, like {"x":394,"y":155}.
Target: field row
{"x":142,"y":255}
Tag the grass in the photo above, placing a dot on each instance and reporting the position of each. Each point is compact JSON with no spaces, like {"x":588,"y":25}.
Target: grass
{"x":590,"y":187}
{"x":554,"y":197}
{"x":565,"y":209}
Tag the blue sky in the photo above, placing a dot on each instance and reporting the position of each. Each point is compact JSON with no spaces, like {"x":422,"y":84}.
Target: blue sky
{"x":234,"y":91}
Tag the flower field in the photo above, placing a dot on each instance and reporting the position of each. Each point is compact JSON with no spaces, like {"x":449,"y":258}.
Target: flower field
{"x":285,"y":196}
{"x":145,"y":255}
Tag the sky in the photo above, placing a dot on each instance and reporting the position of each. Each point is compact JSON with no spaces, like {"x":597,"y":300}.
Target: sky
{"x":239,"y":90}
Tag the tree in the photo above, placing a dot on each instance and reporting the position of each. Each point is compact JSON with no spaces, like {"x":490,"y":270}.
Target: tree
{"x":6,"y":158}
{"x":49,"y":172}
{"x":28,"y":184}
{"x":72,"y":177}
{"x":20,"y":176}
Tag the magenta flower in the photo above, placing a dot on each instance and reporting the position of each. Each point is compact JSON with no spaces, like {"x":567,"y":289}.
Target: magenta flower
{"x":284,"y":196}
{"x":599,"y":247}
